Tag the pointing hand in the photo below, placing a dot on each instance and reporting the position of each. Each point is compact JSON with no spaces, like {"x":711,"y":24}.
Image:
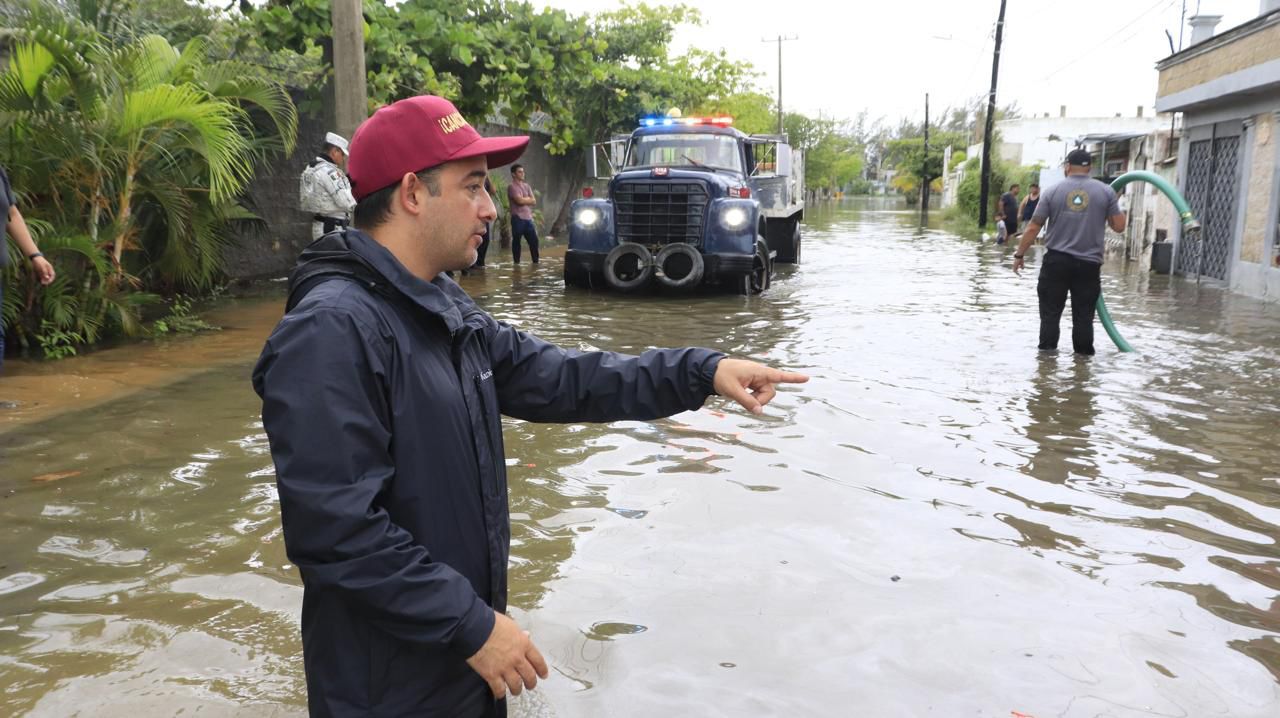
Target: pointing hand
{"x":751,"y":384}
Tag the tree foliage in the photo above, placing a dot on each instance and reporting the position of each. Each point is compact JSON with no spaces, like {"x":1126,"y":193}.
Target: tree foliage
{"x":834,"y":155}
{"x":752,"y":112}
{"x":129,"y":154}
{"x":484,"y":55}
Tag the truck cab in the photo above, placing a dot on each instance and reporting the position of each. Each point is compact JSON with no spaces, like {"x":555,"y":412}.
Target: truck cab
{"x":690,"y":202}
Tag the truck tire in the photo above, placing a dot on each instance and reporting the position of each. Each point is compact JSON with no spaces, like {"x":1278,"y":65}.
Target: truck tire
{"x":628,"y":267}
{"x":789,"y":252}
{"x":680,"y":266}
{"x":761,"y":275}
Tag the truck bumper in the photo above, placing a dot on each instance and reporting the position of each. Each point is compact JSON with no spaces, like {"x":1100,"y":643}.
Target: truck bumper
{"x":727,"y":265}
{"x":579,"y":261}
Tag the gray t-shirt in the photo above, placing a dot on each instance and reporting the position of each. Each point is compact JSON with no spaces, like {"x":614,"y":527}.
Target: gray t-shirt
{"x":1077,"y":209}
{"x":7,"y":200}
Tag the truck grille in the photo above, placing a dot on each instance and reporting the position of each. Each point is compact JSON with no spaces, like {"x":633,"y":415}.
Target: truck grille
{"x":660,"y":212}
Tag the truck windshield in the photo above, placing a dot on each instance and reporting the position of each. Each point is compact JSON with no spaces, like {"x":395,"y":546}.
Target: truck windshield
{"x":686,"y":150}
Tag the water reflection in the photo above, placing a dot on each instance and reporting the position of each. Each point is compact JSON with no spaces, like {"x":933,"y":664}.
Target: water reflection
{"x":1061,"y":411}
{"x":942,"y":520}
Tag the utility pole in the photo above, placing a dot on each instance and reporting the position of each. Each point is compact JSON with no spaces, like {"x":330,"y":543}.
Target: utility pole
{"x":984,"y":196}
{"x":350,"y":93}
{"x":924,"y":170}
{"x":780,"y":39}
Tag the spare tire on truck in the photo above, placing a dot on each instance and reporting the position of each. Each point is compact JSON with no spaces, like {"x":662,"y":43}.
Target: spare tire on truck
{"x":680,"y":266}
{"x":628,"y":267}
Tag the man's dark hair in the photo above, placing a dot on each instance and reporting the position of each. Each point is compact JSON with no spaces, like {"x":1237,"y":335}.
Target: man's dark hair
{"x":375,"y":209}
{"x":516,"y":166}
{"x":324,"y":150}
{"x":1014,"y":186}
{"x":1033,"y":184}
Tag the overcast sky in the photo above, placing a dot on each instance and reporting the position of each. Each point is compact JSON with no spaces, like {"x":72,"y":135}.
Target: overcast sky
{"x":1097,"y":57}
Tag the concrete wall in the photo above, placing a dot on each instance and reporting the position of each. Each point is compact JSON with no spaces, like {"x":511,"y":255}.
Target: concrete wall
{"x":269,"y":248}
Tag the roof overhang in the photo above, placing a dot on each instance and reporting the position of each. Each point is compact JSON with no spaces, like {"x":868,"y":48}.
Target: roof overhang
{"x":1257,"y":80}
{"x":1112,"y":137}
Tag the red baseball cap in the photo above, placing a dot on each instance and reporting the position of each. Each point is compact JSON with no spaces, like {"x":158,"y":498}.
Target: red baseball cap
{"x":416,"y":134}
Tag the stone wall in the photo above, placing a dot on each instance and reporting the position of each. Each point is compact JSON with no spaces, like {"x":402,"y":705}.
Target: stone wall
{"x":1259,"y":190}
{"x":269,"y":248}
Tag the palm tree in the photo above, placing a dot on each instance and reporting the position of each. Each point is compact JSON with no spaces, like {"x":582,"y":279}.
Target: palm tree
{"x":139,"y":147}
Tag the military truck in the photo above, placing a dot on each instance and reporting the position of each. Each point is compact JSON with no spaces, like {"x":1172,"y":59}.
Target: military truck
{"x":690,"y":202}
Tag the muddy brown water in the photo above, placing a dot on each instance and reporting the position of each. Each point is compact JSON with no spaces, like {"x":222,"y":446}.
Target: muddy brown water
{"x":942,"y":522}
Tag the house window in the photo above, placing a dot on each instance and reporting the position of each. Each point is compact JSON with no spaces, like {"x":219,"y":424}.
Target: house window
{"x":1114,"y":168}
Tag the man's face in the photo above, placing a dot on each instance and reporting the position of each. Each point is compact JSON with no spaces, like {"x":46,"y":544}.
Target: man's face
{"x":1014,"y":190}
{"x":339,"y":158}
{"x":518,"y":174}
{"x":453,"y":223}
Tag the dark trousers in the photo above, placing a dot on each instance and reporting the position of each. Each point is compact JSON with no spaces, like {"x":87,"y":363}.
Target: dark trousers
{"x":523,"y":228}
{"x":1061,"y":273}
{"x":1011,"y":223}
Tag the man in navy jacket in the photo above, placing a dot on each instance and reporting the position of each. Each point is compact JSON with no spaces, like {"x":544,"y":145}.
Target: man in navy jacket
{"x":382,"y":392}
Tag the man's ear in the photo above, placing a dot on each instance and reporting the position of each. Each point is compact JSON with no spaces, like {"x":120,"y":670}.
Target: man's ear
{"x":408,"y":195}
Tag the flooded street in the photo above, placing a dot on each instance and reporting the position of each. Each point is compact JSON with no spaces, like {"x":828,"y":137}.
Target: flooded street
{"x":941,"y":522}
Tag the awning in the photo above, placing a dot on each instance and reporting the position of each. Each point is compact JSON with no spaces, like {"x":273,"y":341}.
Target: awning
{"x":1113,"y":137}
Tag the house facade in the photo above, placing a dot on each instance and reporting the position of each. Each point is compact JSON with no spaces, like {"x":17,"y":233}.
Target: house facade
{"x":1227,"y":87}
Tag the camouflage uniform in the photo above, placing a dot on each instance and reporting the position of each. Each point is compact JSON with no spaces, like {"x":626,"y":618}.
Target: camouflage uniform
{"x":325,"y":192}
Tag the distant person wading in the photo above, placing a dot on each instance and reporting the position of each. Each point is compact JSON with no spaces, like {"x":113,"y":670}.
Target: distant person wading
{"x":520,"y":197}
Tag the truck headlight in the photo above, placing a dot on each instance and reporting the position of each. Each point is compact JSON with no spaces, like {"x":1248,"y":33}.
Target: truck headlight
{"x":588,"y":217}
{"x":734,"y":218}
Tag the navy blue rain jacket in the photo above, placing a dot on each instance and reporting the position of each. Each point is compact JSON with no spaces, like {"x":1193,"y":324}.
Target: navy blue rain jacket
{"x":381,"y":398}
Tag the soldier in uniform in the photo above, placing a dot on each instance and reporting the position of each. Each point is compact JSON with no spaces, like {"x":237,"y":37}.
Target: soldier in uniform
{"x":325,"y":191}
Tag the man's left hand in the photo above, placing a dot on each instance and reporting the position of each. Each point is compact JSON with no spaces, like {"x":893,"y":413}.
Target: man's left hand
{"x":1018,"y":265}
{"x":751,"y":384}
{"x":43,"y":270}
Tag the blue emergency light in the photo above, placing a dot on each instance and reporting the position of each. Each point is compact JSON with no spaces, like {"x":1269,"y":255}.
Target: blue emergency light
{"x":668,"y":121}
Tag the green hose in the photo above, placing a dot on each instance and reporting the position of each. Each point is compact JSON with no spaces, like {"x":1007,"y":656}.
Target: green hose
{"x":1189,"y":224}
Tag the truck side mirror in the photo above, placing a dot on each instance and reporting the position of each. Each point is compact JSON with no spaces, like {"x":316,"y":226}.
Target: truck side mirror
{"x":604,"y":158}
{"x":784,"y":160}
{"x":594,"y":164}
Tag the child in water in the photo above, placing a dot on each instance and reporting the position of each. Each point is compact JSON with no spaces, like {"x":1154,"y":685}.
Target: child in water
{"x":1002,"y":234}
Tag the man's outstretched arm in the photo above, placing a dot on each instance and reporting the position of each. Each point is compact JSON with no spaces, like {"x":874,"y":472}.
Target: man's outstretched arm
{"x":540,"y":381}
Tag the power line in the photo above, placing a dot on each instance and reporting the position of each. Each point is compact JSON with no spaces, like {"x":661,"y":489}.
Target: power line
{"x":1088,"y":53}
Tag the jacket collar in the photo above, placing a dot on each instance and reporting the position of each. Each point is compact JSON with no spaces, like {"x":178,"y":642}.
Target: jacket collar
{"x":441,"y":296}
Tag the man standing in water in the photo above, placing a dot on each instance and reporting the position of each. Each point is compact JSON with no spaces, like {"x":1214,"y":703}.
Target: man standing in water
{"x":1009,"y":206}
{"x":1028,"y":208}
{"x":382,"y":391}
{"x":1079,"y":209}
{"x":521,"y":198}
